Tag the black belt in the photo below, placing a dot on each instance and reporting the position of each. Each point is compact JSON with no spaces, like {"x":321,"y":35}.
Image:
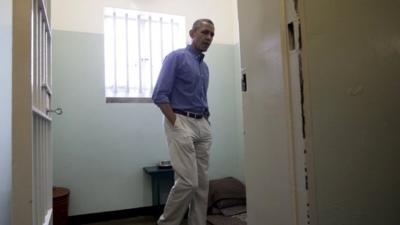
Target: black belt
{"x":192,"y":114}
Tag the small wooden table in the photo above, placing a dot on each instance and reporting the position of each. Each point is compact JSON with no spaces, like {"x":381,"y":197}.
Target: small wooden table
{"x":157,"y":174}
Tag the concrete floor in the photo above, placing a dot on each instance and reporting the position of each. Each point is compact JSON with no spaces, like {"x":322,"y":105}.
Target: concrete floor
{"x":140,"y":220}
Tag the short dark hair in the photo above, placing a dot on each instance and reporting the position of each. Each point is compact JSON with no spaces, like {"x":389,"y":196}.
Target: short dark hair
{"x":198,"y":23}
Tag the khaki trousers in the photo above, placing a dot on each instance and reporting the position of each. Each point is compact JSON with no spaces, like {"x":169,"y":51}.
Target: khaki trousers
{"x":189,"y":141}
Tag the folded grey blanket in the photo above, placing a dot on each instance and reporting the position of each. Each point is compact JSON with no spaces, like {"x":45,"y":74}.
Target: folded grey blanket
{"x":229,"y":189}
{"x":234,"y":210}
{"x":227,"y":202}
{"x":223,"y":220}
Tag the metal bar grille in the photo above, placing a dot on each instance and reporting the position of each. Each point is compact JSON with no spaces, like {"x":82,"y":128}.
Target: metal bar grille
{"x":41,"y":94}
{"x":134,"y":37}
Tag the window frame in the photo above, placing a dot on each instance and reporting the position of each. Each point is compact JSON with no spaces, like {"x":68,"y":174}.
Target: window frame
{"x":134,"y":90}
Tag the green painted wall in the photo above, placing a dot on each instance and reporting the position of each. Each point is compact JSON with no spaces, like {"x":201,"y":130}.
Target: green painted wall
{"x":5,"y":110}
{"x":100,"y":149}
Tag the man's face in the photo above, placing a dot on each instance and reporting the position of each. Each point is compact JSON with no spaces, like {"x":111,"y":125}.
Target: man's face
{"x":202,"y":36}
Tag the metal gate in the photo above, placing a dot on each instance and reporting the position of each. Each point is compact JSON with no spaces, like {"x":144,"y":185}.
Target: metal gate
{"x":41,"y":102}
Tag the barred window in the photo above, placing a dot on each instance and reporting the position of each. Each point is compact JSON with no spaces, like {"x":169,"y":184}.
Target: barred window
{"x":135,"y":44}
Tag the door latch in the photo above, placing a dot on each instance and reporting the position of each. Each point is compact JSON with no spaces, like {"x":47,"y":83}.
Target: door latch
{"x":57,"y":111}
{"x":244,"y":80}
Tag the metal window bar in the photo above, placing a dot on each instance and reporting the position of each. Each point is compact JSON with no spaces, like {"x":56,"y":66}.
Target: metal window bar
{"x":37,"y":171}
{"x":35,"y":55}
{"x":35,"y":160}
{"x":44,"y":79}
{"x":161,"y":39}
{"x":43,"y":65}
{"x":40,"y":169}
{"x":50,"y":164}
{"x":42,"y":7}
{"x":43,"y":151}
{"x":41,"y":59}
{"x":40,"y":134}
{"x":127,"y":52}
{"x":44,"y":168}
{"x":46,"y":85}
{"x":115,"y":50}
{"x":151,"y":53}
{"x":39,"y":37}
{"x":139,"y":53}
{"x":44,"y":60}
{"x":49,"y":50}
{"x":172,"y":34}
{"x":47,"y":173}
{"x":47,"y":166}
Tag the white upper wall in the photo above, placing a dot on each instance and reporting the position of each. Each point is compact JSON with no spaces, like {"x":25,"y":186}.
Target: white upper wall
{"x":87,"y":15}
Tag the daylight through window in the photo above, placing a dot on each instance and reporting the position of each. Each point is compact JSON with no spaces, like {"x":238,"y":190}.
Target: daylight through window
{"x":135,"y":44}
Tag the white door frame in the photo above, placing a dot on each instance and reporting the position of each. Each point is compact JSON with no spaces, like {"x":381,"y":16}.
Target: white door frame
{"x":31,"y":123}
{"x":22,"y":139}
{"x":275,"y":159}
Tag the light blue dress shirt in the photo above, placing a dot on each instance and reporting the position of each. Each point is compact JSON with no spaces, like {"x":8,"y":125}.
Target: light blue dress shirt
{"x":183,"y":81}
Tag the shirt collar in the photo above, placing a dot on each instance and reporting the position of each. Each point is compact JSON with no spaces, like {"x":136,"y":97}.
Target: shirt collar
{"x":196,"y":53}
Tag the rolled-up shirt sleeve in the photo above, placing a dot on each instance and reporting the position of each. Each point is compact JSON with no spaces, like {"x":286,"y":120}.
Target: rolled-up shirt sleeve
{"x":166,"y":78}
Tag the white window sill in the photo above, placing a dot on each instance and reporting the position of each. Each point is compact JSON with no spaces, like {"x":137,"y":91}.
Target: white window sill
{"x":128,"y":100}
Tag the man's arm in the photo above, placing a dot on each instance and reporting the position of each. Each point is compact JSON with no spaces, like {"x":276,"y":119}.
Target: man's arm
{"x":166,"y":109}
{"x":164,"y":86}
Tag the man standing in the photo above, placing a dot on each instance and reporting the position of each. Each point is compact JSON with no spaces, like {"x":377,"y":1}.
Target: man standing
{"x":181,"y":94}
